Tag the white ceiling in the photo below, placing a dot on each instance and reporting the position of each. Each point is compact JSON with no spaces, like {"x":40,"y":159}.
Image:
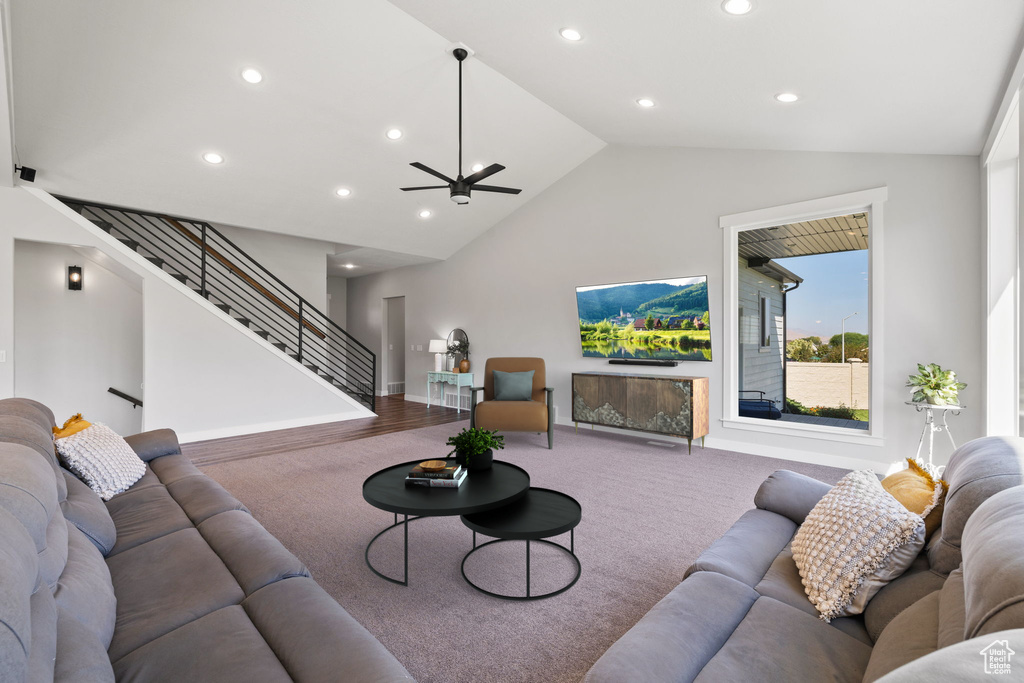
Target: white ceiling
{"x":115,"y":101}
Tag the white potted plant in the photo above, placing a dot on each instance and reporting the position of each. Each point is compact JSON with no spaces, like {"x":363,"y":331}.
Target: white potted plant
{"x":934,"y":385}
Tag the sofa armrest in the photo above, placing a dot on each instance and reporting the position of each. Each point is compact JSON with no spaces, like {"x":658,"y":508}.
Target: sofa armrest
{"x":790,"y":494}
{"x":472,"y":405}
{"x":153,"y":444}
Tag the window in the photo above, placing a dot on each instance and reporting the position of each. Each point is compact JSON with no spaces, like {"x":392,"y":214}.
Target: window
{"x":764,"y":322}
{"x":809,"y":238}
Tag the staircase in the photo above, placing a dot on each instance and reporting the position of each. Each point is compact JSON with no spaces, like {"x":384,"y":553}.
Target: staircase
{"x":202,"y":258}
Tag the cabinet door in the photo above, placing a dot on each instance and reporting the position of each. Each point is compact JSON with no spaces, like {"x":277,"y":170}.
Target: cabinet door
{"x":598,"y":399}
{"x":659,"y":405}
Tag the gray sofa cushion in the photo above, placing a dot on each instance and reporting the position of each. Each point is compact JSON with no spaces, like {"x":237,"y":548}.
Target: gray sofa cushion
{"x":19,"y":567}
{"x":84,"y":509}
{"x":84,"y":590}
{"x":30,"y":410}
{"x":28,"y":491}
{"x":44,"y":634}
{"x":790,"y":494}
{"x":775,"y":642}
{"x":952,"y":610}
{"x":899,"y":594}
{"x":993,"y":548}
{"x":976,"y":471}
{"x":678,"y":637}
{"x":292,"y":616}
{"x":29,"y":433}
{"x":164,"y":584}
{"x":154,"y":444}
{"x":748,"y":548}
{"x":254,"y":557}
{"x":80,"y":654}
{"x":782,"y":582}
{"x":960,"y":662}
{"x":912,"y":634}
{"x":142,"y":515}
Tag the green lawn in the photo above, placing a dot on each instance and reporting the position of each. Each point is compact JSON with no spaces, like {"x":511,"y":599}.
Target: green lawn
{"x":861,"y":415}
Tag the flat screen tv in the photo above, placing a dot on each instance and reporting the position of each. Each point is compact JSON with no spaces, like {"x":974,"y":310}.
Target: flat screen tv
{"x":651,"y":320}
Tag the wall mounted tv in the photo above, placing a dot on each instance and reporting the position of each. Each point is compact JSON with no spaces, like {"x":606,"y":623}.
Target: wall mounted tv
{"x":654,"y":320}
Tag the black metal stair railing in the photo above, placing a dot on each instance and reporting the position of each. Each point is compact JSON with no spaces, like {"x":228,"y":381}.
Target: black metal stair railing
{"x":201,"y":257}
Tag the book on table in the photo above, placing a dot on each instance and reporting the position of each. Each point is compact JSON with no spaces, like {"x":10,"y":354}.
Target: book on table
{"x":450,"y":472}
{"x":436,"y":483}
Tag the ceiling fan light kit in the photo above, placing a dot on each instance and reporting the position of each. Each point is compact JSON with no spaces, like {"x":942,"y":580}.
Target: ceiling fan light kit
{"x":461,"y":187}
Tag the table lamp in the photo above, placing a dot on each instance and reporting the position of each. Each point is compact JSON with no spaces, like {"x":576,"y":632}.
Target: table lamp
{"x":438,"y":347}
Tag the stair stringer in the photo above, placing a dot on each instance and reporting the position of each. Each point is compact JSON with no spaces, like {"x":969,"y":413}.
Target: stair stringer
{"x":153,"y":274}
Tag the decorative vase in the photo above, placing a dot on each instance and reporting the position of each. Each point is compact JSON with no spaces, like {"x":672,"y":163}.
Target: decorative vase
{"x":464,"y":365}
{"x":478,"y":462}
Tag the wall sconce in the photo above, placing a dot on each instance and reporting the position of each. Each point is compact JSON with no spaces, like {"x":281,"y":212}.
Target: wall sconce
{"x":25,"y":173}
{"x":74,"y":278}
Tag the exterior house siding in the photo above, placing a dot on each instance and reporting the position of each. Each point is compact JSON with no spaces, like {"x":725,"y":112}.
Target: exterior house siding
{"x":761,"y":367}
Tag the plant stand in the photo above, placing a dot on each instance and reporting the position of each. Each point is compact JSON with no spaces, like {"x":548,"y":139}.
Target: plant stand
{"x":931,"y":426}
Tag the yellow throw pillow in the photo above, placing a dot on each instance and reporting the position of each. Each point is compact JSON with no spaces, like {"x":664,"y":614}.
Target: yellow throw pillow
{"x":917,"y":491}
{"x":74,"y":425}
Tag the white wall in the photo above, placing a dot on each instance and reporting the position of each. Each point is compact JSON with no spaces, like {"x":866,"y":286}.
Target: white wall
{"x":396,"y":340}
{"x":634,"y":213}
{"x":72,"y":346}
{"x":204,"y":375}
{"x":298,"y":262}
{"x":337,"y":300}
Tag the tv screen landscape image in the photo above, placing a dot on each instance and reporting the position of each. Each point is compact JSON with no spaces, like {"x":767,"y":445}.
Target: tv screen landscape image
{"x":655,"y":319}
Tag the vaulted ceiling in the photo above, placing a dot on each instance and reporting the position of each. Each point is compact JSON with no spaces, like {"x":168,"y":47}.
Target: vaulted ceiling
{"x":117,"y":100}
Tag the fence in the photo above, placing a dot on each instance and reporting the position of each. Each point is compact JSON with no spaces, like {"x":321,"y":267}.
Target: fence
{"x":828,"y":384}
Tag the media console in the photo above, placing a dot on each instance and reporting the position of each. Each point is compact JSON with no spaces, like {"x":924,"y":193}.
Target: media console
{"x":659,"y":404}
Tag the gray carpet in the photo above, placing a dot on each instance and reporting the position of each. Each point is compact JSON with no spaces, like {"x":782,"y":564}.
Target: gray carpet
{"x":648,"y":511}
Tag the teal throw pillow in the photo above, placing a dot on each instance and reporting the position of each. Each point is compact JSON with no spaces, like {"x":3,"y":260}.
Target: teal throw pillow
{"x":513,"y":386}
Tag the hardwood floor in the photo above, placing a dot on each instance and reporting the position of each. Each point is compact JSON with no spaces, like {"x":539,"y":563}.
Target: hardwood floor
{"x":394,"y":414}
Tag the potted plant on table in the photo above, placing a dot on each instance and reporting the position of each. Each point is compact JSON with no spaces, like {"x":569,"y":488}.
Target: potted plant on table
{"x":934,"y":385}
{"x":474,"y":448}
{"x":460,"y":347}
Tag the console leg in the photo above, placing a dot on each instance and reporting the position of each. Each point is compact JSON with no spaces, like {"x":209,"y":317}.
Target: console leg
{"x":689,"y":446}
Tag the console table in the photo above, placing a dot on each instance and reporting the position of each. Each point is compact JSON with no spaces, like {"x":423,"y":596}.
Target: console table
{"x":457,"y":379}
{"x":660,"y":404}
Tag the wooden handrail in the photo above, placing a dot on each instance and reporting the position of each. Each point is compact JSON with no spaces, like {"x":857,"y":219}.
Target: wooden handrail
{"x":244,"y":276}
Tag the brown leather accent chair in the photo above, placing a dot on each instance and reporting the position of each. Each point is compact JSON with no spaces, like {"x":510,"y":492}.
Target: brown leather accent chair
{"x":534,"y":415}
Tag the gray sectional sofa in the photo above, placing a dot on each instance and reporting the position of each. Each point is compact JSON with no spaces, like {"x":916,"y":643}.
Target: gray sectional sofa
{"x":172,"y":580}
{"x":741,"y":614}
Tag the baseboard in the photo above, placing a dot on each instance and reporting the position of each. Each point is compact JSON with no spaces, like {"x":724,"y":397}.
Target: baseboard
{"x":788,"y":453}
{"x":240,"y":430}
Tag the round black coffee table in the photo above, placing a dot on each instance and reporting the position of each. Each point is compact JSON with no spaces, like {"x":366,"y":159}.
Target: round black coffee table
{"x":504,"y":483}
{"x":538,"y":515}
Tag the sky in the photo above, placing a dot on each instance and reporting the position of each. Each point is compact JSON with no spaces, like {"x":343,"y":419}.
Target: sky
{"x":679,"y":282}
{"x":834,"y":286}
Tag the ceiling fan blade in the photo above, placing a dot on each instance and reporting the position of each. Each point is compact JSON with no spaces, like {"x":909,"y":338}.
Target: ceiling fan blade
{"x":492,"y":188}
{"x":425,"y":187}
{"x":432,"y":172}
{"x":480,"y":175}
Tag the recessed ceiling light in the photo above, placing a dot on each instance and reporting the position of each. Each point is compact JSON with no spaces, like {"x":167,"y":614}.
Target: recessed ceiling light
{"x":425,"y":213}
{"x":213,"y":158}
{"x":571,"y":34}
{"x":251,"y":76}
{"x":645,"y":102}
{"x":477,"y":167}
{"x":393,"y":134}
{"x":737,"y":6}
{"x":343,"y":192}
{"x":350,"y":265}
{"x":787,"y":97}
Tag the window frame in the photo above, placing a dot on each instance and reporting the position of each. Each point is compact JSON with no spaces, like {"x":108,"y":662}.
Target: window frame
{"x":869,"y":201}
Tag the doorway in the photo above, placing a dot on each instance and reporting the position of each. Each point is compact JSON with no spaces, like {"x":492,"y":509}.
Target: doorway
{"x":393,"y":346}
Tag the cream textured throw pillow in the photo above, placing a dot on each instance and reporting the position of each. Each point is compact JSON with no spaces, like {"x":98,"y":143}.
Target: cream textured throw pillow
{"x":855,"y":540}
{"x":102,"y":459}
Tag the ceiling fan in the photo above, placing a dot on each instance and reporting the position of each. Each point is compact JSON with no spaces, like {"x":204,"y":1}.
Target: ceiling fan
{"x":460,"y":188}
